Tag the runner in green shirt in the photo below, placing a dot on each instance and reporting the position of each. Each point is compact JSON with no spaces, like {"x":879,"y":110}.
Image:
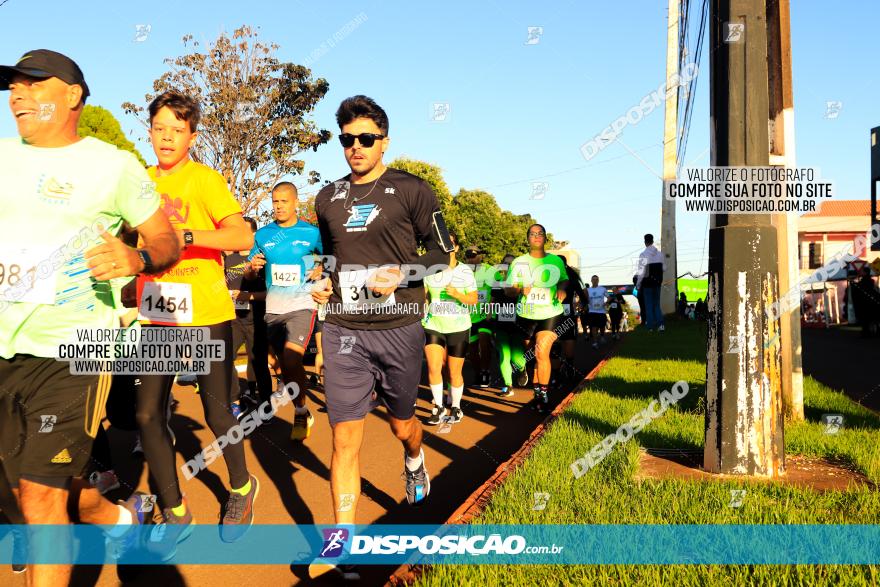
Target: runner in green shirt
{"x":539,"y":280}
{"x":480,"y":354}
{"x":447,"y":325}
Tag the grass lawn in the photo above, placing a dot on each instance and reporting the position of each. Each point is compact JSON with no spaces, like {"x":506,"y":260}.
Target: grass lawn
{"x":646,"y":364}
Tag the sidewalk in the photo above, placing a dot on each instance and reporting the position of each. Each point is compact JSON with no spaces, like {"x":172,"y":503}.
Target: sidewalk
{"x":295,"y":477}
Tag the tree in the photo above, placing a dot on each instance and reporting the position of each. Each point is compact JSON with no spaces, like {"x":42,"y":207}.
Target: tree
{"x":255,"y":111}
{"x":100,"y":123}
{"x":432,"y":174}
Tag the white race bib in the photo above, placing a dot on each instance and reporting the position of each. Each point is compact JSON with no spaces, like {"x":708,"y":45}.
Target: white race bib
{"x":539,"y":296}
{"x":167,"y":302}
{"x":286,"y":275}
{"x":354,"y":291}
{"x":20,"y":280}
{"x":566,"y":308}
{"x":240,"y":305}
{"x":482,"y":296}
{"x":507,"y":313}
{"x":597,"y":304}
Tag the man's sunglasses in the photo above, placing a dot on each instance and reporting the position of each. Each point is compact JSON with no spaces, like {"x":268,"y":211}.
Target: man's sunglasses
{"x":366,"y":139}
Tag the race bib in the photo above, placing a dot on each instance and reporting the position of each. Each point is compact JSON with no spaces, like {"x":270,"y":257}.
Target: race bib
{"x":19,"y":279}
{"x":444,"y":308}
{"x":286,"y":275}
{"x":354,"y":291}
{"x":322,"y":312}
{"x":613,"y":305}
{"x":539,"y":296}
{"x":167,"y":302}
{"x":566,"y":308}
{"x":482,"y":296}
{"x":597,"y":304}
{"x":507,"y":313}
{"x":240,"y":305}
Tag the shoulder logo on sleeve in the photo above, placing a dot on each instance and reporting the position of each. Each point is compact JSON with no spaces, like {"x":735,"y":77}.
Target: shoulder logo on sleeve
{"x":361,"y":216}
{"x":62,"y":458}
{"x":340,"y":190}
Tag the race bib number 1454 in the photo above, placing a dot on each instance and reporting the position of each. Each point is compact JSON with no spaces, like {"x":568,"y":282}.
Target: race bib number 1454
{"x":167,"y":302}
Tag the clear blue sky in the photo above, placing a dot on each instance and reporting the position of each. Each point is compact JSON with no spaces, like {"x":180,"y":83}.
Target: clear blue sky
{"x":519,"y":112}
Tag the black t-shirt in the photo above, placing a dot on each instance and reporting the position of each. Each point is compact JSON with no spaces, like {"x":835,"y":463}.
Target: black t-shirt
{"x":234,"y":265}
{"x":365,"y":226}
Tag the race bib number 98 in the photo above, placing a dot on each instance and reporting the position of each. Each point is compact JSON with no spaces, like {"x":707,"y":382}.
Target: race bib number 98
{"x":167,"y":302}
{"x":19,"y":280}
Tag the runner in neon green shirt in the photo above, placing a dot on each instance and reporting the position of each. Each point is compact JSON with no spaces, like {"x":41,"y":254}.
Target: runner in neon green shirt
{"x":447,"y":330}
{"x":539,"y":280}
{"x":480,"y":354}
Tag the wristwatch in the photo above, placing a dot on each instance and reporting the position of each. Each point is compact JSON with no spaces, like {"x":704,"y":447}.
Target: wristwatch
{"x":147,"y":261}
{"x":187,"y":238}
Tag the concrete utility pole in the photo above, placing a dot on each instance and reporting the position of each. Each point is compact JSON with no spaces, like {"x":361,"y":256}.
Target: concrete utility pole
{"x":782,"y":152}
{"x":744,"y":422}
{"x":669,"y":291}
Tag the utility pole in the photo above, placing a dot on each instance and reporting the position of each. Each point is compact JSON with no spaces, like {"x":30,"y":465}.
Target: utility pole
{"x":744,"y":422}
{"x":669,"y":289}
{"x":782,"y":152}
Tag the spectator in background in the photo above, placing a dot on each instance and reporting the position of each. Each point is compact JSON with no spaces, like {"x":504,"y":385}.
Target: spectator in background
{"x":866,"y":301}
{"x":616,"y":311}
{"x":637,"y":292}
{"x":682,"y":305}
{"x":649,"y":280}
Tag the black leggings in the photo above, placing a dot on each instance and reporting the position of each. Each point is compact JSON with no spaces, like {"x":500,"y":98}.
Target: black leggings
{"x":216,"y":392}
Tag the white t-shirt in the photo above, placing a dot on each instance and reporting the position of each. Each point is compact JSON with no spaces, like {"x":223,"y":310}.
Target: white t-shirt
{"x":596,"y":297}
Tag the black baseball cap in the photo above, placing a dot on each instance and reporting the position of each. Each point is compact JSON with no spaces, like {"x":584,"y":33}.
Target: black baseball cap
{"x":45,"y":63}
{"x":472,"y":252}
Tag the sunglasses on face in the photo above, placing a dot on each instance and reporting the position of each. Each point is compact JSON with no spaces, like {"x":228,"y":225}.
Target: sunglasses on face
{"x":536,"y":234}
{"x":366,"y":139}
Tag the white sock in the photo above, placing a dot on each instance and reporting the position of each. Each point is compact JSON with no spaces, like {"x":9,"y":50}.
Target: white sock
{"x":437,"y":393}
{"x":457,"y":392}
{"x":299,"y":411}
{"x":123,"y":523}
{"x":412,"y":464}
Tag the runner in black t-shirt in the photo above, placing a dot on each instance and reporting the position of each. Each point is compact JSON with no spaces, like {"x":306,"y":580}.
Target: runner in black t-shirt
{"x":249,"y":326}
{"x":373,"y":338}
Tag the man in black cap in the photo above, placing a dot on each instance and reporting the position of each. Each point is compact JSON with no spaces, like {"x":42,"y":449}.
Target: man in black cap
{"x":64,"y":200}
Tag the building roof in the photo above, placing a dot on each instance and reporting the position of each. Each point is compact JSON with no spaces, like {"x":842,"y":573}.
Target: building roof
{"x":842,"y":208}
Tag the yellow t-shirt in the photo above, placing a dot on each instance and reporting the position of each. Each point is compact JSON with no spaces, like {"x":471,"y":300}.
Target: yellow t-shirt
{"x":194,"y":198}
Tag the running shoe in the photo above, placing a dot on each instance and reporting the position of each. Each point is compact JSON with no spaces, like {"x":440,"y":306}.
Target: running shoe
{"x":485,"y":378}
{"x":19,"y":551}
{"x":119,"y":545}
{"x":104,"y":481}
{"x":455,"y":415}
{"x":302,"y":425}
{"x":138,"y":450}
{"x":542,"y":402}
{"x":418,"y":484}
{"x":239,"y":514}
{"x":437,"y":415}
{"x":505,"y":392}
{"x":237,"y":411}
{"x":522,"y":379}
{"x":323,"y":568}
{"x":662,"y":327}
{"x":173,"y":530}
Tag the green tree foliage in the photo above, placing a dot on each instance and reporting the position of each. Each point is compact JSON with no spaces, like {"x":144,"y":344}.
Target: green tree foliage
{"x":100,"y":123}
{"x":256,"y":111}
{"x":430,"y":173}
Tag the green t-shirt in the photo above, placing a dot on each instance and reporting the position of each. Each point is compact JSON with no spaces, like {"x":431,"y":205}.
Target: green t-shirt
{"x":542,"y":275}
{"x":53,"y":201}
{"x":484,"y":275}
{"x":445,"y":314}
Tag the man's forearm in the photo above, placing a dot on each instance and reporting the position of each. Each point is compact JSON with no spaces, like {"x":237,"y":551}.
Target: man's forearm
{"x":164,"y":251}
{"x":227,"y":238}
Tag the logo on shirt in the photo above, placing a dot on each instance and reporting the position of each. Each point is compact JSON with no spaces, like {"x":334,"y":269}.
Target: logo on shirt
{"x":62,"y":458}
{"x":340,"y":190}
{"x":175,"y":210}
{"x":304,"y":243}
{"x":334,"y":542}
{"x":53,"y":191}
{"x":389,"y":191}
{"x":361,"y":216}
